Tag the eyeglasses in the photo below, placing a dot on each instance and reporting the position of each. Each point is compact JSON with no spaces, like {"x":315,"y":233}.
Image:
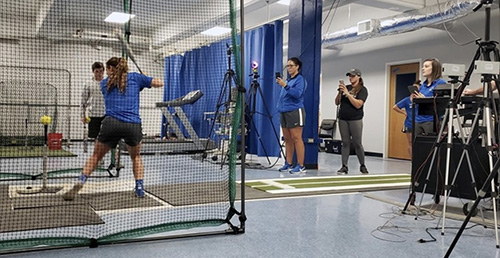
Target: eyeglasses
{"x":290,"y":66}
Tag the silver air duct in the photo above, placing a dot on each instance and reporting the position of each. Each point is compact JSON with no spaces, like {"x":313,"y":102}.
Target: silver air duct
{"x":408,"y":21}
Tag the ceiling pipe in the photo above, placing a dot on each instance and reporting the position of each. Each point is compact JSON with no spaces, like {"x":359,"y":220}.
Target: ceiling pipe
{"x":406,"y":22}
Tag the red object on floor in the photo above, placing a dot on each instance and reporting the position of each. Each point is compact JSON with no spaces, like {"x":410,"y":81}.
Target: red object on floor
{"x":55,"y":141}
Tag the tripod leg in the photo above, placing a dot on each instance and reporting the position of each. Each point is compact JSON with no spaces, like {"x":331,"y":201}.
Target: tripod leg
{"x":465,"y":154}
{"x":449,"y":146}
{"x":434,"y":153}
{"x":226,"y":84}
{"x":482,"y":194}
{"x":487,"y":118}
{"x":251,"y":103}
{"x":272,"y":124}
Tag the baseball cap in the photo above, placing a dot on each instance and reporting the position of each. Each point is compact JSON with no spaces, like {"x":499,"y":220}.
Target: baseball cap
{"x":353,"y":71}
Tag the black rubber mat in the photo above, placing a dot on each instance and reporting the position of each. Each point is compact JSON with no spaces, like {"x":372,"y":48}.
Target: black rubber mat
{"x":4,"y":198}
{"x":190,"y":194}
{"x":117,"y":200}
{"x":42,"y":201}
{"x":48,"y":217}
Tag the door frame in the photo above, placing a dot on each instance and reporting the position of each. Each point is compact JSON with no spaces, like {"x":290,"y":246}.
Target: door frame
{"x":387,"y":97}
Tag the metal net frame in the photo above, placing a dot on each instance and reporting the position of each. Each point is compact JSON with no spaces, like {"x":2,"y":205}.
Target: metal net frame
{"x":51,"y":50}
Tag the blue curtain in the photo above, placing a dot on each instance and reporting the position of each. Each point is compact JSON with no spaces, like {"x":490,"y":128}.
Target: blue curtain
{"x":265,"y":47}
{"x":204,"y":69}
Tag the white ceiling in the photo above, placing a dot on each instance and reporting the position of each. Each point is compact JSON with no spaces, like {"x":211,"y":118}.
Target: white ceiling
{"x":159,"y":26}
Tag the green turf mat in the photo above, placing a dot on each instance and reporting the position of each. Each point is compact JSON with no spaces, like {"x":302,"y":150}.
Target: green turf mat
{"x":393,"y":181}
{"x":336,"y":183}
{"x":31,"y":152}
{"x":342,"y":178}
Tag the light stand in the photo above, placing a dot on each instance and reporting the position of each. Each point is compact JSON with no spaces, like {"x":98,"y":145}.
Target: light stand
{"x":452,"y":109}
{"x":485,"y":48}
{"x":254,"y":90}
{"x":447,"y":120}
{"x":223,"y":108}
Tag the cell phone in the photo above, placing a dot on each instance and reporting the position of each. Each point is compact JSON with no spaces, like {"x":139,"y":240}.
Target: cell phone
{"x":277,"y":75}
{"x":412,"y":89}
{"x":341,"y":82}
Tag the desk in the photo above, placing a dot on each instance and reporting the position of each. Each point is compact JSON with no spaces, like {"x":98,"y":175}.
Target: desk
{"x":428,"y":106}
{"x":463,"y":188}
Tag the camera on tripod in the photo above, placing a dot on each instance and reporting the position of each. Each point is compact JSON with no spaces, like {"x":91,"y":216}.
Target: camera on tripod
{"x":486,"y":67}
{"x":255,"y":73}
{"x":453,"y":70}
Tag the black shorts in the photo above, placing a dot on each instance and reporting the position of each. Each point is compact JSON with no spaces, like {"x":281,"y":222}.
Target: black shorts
{"x":291,"y":119}
{"x":112,"y":130}
{"x":95,"y":126}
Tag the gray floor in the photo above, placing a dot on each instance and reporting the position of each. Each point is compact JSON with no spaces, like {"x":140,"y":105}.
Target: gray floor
{"x":349,"y":225}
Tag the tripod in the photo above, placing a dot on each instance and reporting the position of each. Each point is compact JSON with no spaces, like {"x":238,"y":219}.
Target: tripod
{"x":252,"y":100}
{"x":448,"y":118}
{"x":225,"y":107}
{"x":485,"y":48}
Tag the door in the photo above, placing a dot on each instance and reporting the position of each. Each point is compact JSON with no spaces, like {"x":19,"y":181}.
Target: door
{"x":401,"y":76}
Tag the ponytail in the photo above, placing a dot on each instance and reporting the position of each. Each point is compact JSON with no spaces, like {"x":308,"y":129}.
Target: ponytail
{"x":118,"y":78}
{"x":358,"y":87}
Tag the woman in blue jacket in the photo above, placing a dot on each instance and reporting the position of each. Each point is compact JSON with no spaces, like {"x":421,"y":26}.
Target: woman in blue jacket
{"x":292,"y":115}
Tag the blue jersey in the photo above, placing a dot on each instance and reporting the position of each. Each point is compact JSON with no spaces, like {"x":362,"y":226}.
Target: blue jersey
{"x":124,"y":106}
{"x":406,"y":105}
{"x":427,"y":91}
{"x":292,"y":95}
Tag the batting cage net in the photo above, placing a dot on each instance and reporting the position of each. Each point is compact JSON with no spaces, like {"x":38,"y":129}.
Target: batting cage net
{"x":86,"y":162}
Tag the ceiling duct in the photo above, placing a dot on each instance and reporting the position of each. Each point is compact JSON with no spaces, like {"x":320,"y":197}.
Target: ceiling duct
{"x":406,"y":22}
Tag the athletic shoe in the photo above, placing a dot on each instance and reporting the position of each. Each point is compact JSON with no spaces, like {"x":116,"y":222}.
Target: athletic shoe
{"x":285,"y":167}
{"x":71,"y":194}
{"x":298,"y":169}
{"x":343,"y":170}
{"x":363,"y":169}
{"x":139,"y":189}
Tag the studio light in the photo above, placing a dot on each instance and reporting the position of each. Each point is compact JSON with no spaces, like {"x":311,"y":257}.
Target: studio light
{"x":120,"y":18}
{"x":216,"y":31}
{"x":254,"y":64}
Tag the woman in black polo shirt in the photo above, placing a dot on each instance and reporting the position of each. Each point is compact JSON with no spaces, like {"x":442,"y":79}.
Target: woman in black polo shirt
{"x":351,"y":99}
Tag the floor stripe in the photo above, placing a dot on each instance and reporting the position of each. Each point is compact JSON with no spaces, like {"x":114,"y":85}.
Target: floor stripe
{"x":333,"y":177}
{"x":274,"y":183}
{"x":338,"y":188}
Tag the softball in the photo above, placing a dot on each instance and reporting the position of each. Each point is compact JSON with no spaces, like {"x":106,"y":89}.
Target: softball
{"x":45,"y":120}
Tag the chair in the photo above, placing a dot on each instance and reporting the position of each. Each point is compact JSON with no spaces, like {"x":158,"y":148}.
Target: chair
{"x":327,"y":128}
{"x":326,"y":131}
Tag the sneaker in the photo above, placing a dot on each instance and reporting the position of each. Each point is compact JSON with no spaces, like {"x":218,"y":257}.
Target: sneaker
{"x":363,"y":169}
{"x":139,"y":189}
{"x":298,"y":169}
{"x":71,"y":194}
{"x":342,"y":171}
{"x":285,"y":167}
